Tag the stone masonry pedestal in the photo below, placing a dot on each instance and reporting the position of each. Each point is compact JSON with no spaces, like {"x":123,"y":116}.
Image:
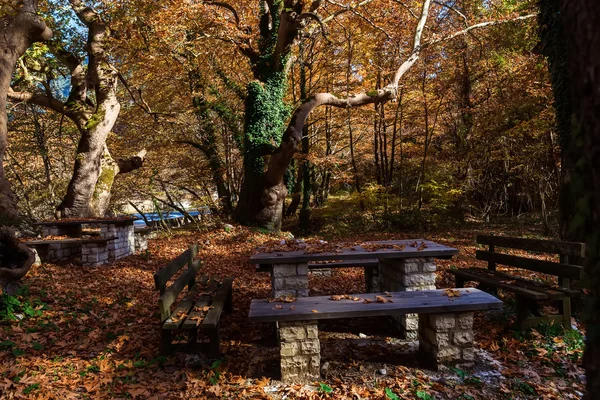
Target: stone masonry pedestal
{"x":447,"y":339}
{"x":289,"y":280}
{"x":124,"y":245}
{"x":407,"y":274}
{"x":300,"y":351}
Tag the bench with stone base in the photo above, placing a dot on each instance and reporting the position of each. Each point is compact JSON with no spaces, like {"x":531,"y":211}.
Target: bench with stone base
{"x":445,"y":324}
{"x":93,"y":251}
{"x":199,"y":310}
{"x":530,"y":295}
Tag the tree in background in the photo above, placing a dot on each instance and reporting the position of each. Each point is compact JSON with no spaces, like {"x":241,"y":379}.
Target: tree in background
{"x":93,"y":106}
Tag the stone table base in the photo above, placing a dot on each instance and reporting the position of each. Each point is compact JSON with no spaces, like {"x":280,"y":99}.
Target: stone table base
{"x":289,"y":280}
{"x":407,"y":274}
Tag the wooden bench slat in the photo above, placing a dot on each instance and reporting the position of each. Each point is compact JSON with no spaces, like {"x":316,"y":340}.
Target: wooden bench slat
{"x":162,"y":276}
{"x":168,"y":298}
{"x":496,"y":282}
{"x":547,"y":288}
{"x":184,"y":306}
{"x":547,"y":267}
{"x":214,"y":314}
{"x":417,"y":302}
{"x":67,"y":241}
{"x":540,"y":245}
{"x":203,"y":301}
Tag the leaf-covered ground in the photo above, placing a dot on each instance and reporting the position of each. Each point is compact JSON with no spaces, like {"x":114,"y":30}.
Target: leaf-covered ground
{"x":93,"y":333}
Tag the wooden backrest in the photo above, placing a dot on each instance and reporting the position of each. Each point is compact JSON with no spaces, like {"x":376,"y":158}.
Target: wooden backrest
{"x":563,"y":269}
{"x":162,"y":276}
{"x":187,"y":278}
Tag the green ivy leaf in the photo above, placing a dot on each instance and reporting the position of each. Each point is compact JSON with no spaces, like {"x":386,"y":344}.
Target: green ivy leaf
{"x":391,"y":395}
{"x":323,"y":387}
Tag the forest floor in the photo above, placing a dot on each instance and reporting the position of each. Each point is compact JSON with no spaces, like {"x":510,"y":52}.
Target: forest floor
{"x":93,"y":333}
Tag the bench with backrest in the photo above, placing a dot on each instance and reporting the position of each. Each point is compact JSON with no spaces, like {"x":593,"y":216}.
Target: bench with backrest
{"x":93,"y":251}
{"x":201,"y":305}
{"x":530,"y":294}
{"x":445,"y":324}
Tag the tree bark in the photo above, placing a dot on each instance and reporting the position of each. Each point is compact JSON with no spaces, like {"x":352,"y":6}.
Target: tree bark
{"x":17,"y":33}
{"x":581,"y":19}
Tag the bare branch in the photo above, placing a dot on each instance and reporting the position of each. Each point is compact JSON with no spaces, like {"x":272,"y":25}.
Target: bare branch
{"x":361,"y":16}
{"x":38,"y":99}
{"x":227,"y":7}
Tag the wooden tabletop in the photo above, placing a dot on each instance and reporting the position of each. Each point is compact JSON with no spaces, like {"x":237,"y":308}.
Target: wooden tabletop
{"x":74,"y":222}
{"x":323,"y":307}
{"x":403,"y":249}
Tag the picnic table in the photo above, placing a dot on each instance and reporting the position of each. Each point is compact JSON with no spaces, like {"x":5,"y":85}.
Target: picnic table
{"x":403,"y":265}
{"x":113,"y":239}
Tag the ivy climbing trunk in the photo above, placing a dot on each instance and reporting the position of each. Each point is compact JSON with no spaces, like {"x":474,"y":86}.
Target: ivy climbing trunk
{"x":261,"y":198}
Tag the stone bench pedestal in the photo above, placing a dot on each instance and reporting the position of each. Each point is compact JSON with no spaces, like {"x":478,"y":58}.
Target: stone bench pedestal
{"x":300,"y":351}
{"x":447,"y":339}
{"x":94,"y":254}
{"x":407,"y":274}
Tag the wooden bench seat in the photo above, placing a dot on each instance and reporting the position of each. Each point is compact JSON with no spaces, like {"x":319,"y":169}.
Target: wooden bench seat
{"x":531,"y":295}
{"x":69,"y":241}
{"x":201,"y":307}
{"x":445,"y":324}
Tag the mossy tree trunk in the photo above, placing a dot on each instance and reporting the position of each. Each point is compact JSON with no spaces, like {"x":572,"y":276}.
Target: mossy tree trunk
{"x":263,"y":190}
{"x":554,"y":47}
{"x":581,"y":19}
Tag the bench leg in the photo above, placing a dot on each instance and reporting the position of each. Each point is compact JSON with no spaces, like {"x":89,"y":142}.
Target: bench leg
{"x":165,"y":342}
{"x":229,"y":303}
{"x":193,"y":336}
{"x":522,"y":313}
{"x":214,"y":345}
{"x":300,"y":351}
{"x":459,"y":282}
{"x":447,"y":339}
{"x":566,"y":312}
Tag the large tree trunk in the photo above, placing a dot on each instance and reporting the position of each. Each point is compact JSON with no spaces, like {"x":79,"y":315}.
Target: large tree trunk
{"x":554,"y":47}
{"x":581,"y":19}
{"x":16,"y":35}
{"x":79,"y":199}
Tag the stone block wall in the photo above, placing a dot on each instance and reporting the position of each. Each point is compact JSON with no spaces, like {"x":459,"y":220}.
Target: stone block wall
{"x":61,"y":251}
{"x":93,"y":254}
{"x":141,"y":241}
{"x":447,"y":339}
{"x":68,"y":230}
{"x":300,"y":351}
{"x":289,"y":280}
{"x":124,"y":245}
{"x":408,"y":274}
{"x":372,"y":280}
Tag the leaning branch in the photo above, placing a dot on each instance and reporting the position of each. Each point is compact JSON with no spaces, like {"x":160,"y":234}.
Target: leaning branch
{"x":38,"y":99}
